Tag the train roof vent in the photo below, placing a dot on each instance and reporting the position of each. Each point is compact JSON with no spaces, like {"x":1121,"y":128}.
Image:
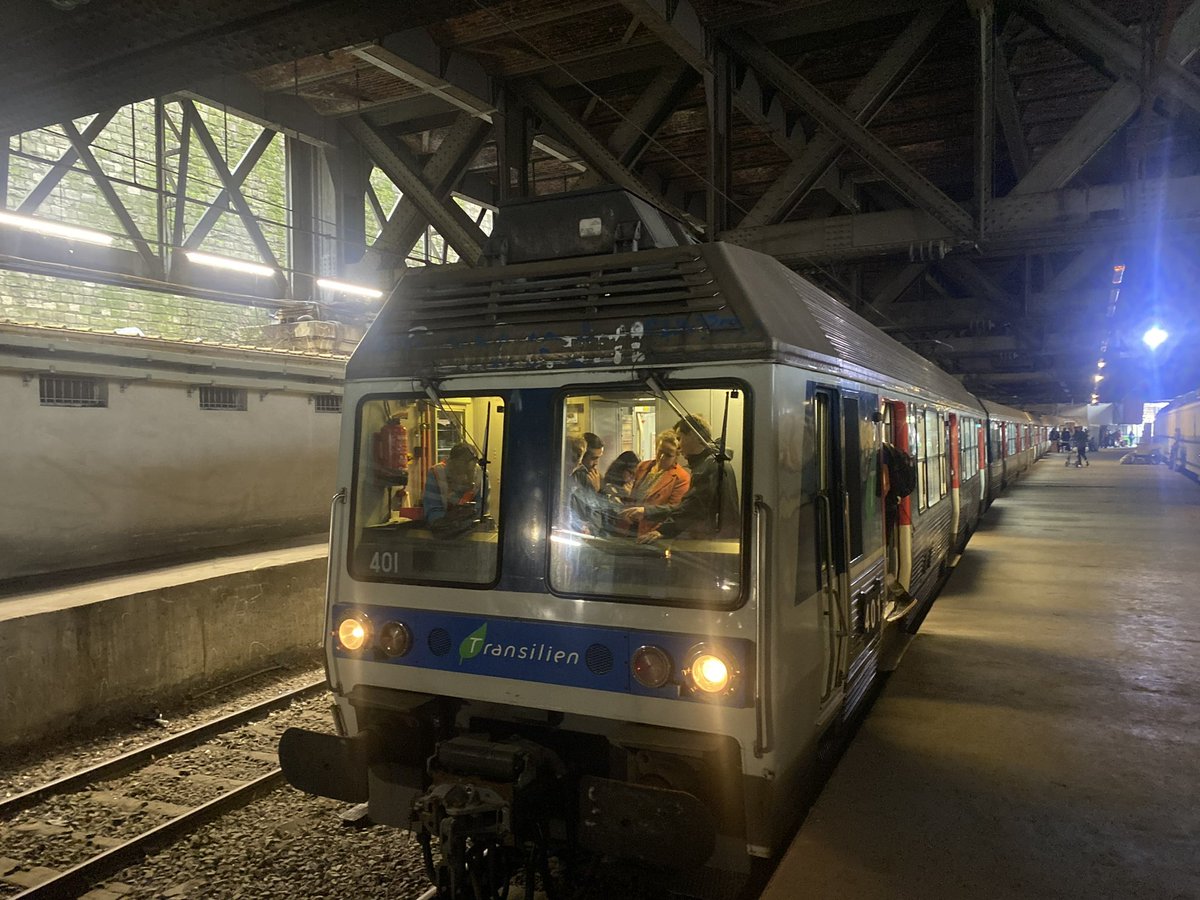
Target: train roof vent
{"x":655,"y":283}
{"x":580,"y":223}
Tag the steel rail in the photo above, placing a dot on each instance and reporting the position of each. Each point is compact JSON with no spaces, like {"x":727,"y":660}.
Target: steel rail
{"x":127,"y":762}
{"x":79,"y":879}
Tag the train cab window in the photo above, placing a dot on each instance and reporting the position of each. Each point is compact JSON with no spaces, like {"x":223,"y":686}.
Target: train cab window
{"x":423,"y":509}
{"x":644,"y":510}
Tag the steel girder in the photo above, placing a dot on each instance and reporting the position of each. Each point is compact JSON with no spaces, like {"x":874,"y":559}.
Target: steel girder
{"x":453,"y":224}
{"x":867,"y":98}
{"x":1063,"y":219}
{"x":915,"y":186}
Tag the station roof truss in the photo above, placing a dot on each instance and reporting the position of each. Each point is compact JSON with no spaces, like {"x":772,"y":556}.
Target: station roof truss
{"x":964,"y":175}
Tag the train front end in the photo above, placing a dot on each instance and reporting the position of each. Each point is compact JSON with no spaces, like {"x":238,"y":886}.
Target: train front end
{"x":533,"y":664}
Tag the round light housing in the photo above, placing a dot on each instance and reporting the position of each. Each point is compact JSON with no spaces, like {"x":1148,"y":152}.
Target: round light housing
{"x":652,"y":666}
{"x":709,"y":671}
{"x":394,"y":639}
{"x":352,"y":633}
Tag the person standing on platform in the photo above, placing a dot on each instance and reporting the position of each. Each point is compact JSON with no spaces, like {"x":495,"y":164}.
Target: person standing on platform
{"x":1054,"y":440}
{"x":1081,"y":447}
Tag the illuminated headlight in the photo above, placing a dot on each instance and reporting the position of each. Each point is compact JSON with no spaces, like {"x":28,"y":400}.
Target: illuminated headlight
{"x":651,"y":666}
{"x":394,"y":639}
{"x":352,"y":633}
{"x":709,"y":671}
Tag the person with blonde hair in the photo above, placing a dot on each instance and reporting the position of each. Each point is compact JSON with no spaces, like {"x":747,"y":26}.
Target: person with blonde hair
{"x":660,"y":481}
{"x":709,"y":508}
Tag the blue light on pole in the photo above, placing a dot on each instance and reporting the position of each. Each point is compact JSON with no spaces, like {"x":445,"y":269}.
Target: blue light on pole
{"x":1154,"y":337}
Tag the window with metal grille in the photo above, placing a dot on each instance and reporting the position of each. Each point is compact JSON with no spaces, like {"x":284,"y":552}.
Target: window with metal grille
{"x":70,"y":390}
{"x":223,"y":398}
{"x":327,"y":403}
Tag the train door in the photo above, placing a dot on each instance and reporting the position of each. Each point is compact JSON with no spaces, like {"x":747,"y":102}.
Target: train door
{"x":954,"y":459}
{"x":981,"y":449}
{"x":849,"y":539}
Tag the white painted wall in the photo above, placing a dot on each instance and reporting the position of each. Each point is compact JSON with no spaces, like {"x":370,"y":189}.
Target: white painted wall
{"x":153,"y":473}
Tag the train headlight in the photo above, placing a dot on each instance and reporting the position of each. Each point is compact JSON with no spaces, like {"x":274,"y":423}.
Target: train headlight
{"x":352,"y":633}
{"x":652,"y":666}
{"x":709,"y":671}
{"x":394,"y":639}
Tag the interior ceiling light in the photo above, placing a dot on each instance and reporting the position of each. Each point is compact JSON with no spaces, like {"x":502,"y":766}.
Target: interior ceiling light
{"x":357,"y":290}
{"x":56,"y":229}
{"x":233,"y":265}
{"x":1098,"y":377}
{"x":1100,"y":364}
{"x":1118,"y":274}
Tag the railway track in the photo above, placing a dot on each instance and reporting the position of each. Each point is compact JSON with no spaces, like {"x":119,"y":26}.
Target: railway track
{"x":77,"y":830}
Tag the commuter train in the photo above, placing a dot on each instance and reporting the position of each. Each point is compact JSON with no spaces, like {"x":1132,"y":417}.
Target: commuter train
{"x":1179,"y":423}
{"x":515,"y":686}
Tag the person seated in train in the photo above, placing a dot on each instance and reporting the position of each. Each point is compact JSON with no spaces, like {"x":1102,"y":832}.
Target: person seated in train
{"x":709,"y":508}
{"x":453,"y":486}
{"x":618,"y":478}
{"x":660,"y":481}
{"x":587,"y":503}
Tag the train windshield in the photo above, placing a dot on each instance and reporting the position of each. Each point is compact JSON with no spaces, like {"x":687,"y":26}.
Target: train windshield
{"x":427,"y":489}
{"x":646,"y":507}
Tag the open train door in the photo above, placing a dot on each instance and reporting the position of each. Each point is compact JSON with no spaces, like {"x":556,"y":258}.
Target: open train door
{"x":849,"y":537}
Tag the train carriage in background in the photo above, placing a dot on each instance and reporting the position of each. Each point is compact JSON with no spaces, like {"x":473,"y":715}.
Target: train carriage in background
{"x":532,"y":683}
{"x":1179,"y":423}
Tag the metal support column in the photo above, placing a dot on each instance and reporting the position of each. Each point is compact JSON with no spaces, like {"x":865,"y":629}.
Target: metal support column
{"x":985,"y":114}
{"x":302,"y":202}
{"x":717,"y":88}
{"x":512,"y":146}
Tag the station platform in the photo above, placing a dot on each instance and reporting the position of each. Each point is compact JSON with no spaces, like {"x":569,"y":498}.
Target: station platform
{"x":1041,"y":737}
{"x":74,"y":651}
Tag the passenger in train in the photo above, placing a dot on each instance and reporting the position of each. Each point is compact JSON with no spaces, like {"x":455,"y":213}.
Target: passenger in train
{"x":453,"y":486}
{"x":661,"y":481}
{"x":710,"y":507}
{"x":587,"y":503}
{"x":618,"y":478}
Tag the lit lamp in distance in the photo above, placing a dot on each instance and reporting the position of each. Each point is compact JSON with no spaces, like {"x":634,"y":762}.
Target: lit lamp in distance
{"x":230,"y":264}
{"x":1154,"y":337}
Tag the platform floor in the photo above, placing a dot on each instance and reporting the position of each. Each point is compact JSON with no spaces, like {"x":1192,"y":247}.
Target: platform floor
{"x":1041,"y":737}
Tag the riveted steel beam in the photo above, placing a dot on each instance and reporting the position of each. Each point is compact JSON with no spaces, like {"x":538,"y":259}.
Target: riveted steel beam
{"x":452,"y":223}
{"x":1042,"y":222}
{"x":50,"y":180}
{"x":1105,"y":117}
{"x":152,"y":259}
{"x":867,"y":98}
{"x":237,"y":177}
{"x":915,"y":186}
{"x":1009,"y":115}
{"x":597,"y":155}
{"x":282,"y":112}
{"x":1081,"y":25}
{"x":676,"y":24}
{"x":192,"y":117}
{"x":985,"y":111}
{"x":900,"y":282}
{"x":440,"y":174}
{"x":415,"y":57}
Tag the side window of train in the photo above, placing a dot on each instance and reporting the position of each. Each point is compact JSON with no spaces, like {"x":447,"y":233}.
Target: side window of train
{"x":643,"y":509}
{"x":862,"y":473}
{"x":931,"y":476}
{"x":916,"y":446}
{"x":422,"y":507}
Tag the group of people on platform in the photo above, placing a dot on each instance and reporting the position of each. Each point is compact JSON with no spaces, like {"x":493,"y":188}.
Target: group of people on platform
{"x":655,"y":498}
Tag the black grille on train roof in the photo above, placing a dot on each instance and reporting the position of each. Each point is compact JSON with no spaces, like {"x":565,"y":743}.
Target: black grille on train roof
{"x":591,"y":291}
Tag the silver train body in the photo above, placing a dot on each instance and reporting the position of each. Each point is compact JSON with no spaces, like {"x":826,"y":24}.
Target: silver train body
{"x":1179,"y":422}
{"x":536,"y":685}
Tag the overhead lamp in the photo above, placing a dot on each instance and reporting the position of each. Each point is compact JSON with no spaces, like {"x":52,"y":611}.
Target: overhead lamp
{"x":1100,"y":364}
{"x":357,"y":290}
{"x":226,"y":262}
{"x":1154,"y":337}
{"x":1098,"y":378}
{"x":1118,"y":274}
{"x":55,"y":229}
